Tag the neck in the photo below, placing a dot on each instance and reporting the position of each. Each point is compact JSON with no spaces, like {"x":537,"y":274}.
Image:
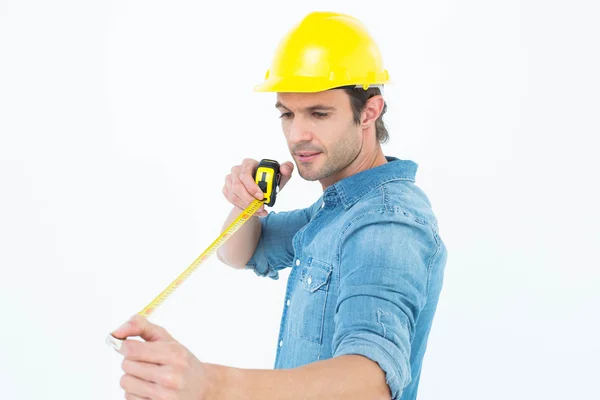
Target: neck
{"x":361,"y":163}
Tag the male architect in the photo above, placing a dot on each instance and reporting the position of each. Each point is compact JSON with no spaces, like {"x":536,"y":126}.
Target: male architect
{"x":366,"y":258}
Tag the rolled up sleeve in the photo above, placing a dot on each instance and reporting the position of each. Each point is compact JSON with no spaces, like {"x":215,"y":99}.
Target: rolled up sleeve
{"x":384,"y":269}
{"x":275,"y":250}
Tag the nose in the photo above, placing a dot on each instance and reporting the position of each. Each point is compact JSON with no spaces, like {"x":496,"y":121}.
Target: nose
{"x":299,"y":130}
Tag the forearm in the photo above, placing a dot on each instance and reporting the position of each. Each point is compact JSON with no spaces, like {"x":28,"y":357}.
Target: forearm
{"x":346,"y":377}
{"x":238,"y":249}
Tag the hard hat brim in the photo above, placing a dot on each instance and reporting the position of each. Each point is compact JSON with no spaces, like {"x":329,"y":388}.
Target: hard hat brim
{"x":305,"y":84}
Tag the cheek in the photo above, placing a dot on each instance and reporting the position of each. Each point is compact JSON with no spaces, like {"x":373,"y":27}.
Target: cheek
{"x":285,"y":127}
{"x":329,"y":128}
{"x":337,"y":130}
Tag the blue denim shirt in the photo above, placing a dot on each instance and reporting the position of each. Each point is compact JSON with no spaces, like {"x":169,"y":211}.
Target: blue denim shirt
{"x":367,"y":269}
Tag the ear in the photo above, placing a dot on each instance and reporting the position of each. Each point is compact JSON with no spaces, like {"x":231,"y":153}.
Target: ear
{"x":372,"y":111}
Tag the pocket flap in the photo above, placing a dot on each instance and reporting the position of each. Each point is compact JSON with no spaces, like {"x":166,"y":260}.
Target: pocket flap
{"x":315,"y":274}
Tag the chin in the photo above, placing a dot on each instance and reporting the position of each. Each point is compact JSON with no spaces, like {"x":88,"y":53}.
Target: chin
{"x":308,"y":175}
{"x":305,"y":176}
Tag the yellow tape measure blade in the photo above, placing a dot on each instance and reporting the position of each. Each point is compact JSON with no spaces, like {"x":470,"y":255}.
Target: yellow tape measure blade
{"x":226,"y":234}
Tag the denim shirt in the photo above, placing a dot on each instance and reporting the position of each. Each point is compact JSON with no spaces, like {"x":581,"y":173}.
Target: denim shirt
{"x":367,"y":265}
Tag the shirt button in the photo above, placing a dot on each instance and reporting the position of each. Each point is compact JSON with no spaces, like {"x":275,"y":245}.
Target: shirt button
{"x":288,"y":302}
{"x":280,"y":343}
{"x":309,"y":280}
{"x":298,"y":262}
{"x":322,"y":205}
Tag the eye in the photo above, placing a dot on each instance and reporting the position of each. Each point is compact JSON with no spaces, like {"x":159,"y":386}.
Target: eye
{"x":286,"y":115}
{"x":319,"y":114}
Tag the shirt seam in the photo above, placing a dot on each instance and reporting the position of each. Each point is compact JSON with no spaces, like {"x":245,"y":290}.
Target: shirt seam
{"x":349,"y":202}
{"x":429,"y":267}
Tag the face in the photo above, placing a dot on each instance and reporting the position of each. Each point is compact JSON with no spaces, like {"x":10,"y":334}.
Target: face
{"x":320,"y":132}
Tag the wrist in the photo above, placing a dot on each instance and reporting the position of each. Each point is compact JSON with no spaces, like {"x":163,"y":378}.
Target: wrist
{"x":217,"y":378}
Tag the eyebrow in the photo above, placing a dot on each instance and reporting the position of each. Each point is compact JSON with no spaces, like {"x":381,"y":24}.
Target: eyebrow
{"x":320,"y":107}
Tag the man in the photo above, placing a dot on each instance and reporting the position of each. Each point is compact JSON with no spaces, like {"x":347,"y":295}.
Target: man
{"x":366,"y":258}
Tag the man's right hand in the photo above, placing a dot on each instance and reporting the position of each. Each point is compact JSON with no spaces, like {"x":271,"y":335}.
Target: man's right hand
{"x":240,"y":189}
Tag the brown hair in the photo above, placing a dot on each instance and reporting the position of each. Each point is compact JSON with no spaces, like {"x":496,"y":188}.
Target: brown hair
{"x":358,"y":101}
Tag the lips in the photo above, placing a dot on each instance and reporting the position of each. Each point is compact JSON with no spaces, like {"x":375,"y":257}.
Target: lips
{"x":307,"y":156}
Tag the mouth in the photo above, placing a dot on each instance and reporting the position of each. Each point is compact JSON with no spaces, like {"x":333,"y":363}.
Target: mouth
{"x":307,"y":156}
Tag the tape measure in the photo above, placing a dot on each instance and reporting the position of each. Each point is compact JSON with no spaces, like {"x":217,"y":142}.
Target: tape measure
{"x":267,"y":177}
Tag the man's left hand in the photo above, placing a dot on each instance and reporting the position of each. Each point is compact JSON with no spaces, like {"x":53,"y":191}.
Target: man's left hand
{"x":160,"y":368}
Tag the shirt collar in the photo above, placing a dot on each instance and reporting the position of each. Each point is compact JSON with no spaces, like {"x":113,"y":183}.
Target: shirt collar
{"x":352,"y":188}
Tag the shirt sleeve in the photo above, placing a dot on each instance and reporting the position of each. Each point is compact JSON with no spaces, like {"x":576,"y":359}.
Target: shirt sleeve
{"x":384,"y":268}
{"x":275,"y":250}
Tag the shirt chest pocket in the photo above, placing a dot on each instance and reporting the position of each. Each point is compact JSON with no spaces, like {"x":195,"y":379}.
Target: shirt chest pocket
{"x":307,"y":309}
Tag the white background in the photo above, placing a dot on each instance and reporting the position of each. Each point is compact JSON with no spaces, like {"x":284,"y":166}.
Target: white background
{"x":119,"y":121}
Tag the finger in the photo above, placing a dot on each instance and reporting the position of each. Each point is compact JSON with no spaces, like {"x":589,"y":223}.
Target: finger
{"x":129,"y":396}
{"x":286,"y":169}
{"x":261,"y":211}
{"x":247,"y":178}
{"x":227,"y":184}
{"x":232,"y":197}
{"x":149,"y":372}
{"x":140,"y":387}
{"x":150,"y":352}
{"x":238,"y":202}
{"x":236,"y":169}
{"x":163,"y":375}
{"x":240,"y":189}
{"x":225,"y":192}
{"x":140,"y":326}
{"x":251,"y":186}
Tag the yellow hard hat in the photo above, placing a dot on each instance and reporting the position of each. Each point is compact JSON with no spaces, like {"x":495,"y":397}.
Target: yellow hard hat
{"x":325,"y":50}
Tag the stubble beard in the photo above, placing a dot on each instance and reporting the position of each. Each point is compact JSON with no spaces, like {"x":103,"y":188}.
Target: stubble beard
{"x":335,"y":160}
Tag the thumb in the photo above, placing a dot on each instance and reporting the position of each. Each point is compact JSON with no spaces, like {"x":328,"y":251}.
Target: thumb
{"x":286,"y":170}
{"x":140,"y":326}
